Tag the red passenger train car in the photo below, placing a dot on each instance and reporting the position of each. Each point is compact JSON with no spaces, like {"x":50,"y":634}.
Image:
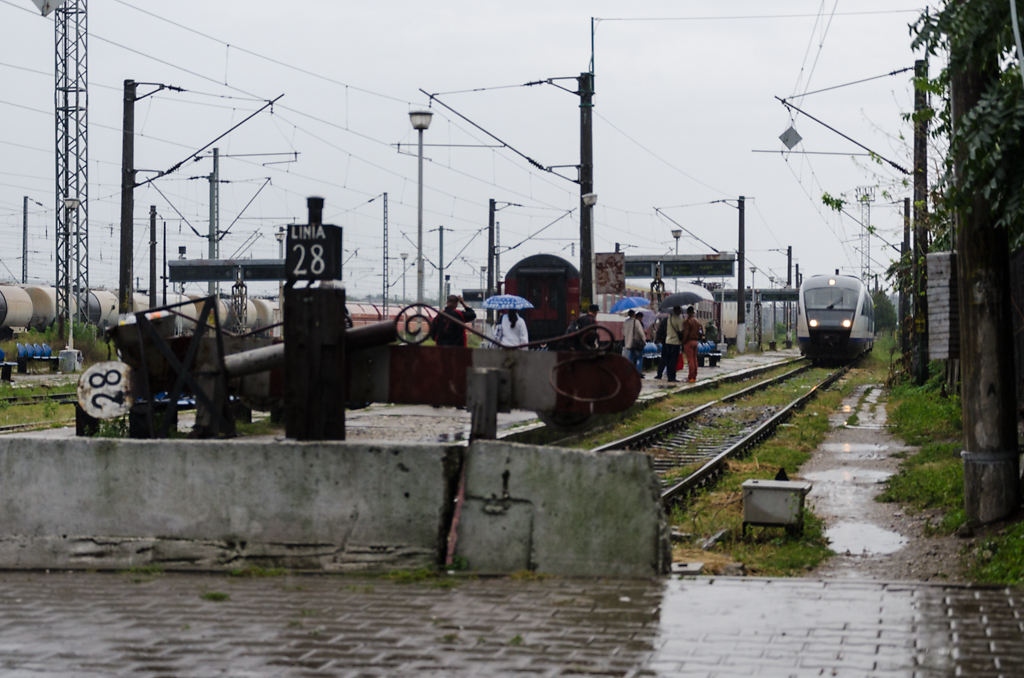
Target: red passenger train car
{"x":552,"y":285}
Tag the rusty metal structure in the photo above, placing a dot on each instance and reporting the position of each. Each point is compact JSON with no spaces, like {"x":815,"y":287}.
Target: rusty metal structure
{"x":380,"y":362}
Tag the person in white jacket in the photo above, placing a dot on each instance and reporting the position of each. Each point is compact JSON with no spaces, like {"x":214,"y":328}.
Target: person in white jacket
{"x":511,"y":330}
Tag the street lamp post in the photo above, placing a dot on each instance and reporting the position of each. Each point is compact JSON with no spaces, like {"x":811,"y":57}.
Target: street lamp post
{"x":420,"y":121}
{"x":677,"y":233}
{"x":404,"y":255}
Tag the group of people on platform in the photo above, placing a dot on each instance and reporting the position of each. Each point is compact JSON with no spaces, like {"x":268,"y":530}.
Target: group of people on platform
{"x":675,"y":334}
{"x":447,"y":328}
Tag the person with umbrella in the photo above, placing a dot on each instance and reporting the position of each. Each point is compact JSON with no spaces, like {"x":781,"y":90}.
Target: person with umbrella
{"x":634,"y":340}
{"x":447,"y":329}
{"x":511,"y":330}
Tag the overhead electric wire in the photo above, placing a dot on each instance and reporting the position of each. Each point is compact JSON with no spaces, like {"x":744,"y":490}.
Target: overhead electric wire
{"x":658,"y":157}
{"x":848,"y":138}
{"x":196,"y":155}
{"x":261,"y":56}
{"x":692,"y":234}
{"x":498,"y":139}
{"x":755,"y":16}
{"x":281,"y":107}
{"x":175,"y":208}
{"x":259,"y":190}
{"x":848,"y":84}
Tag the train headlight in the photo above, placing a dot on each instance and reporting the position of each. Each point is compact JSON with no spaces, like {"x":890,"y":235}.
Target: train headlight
{"x":812,"y":322}
{"x":847,"y":323}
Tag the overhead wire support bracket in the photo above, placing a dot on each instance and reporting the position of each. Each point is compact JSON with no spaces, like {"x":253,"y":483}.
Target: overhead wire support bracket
{"x":159,"y":87}
{"x":504,"y":144}
{"x":848,"y":138}
{"x":196,"y":156}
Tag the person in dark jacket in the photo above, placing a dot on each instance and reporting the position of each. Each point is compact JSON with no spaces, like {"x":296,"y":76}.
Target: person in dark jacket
{"x":659,"y":338}
{"x":587,"y":340}
{"x":446,"y":330}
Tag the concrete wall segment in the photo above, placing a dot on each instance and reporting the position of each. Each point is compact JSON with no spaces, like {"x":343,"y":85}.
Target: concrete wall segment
{"x":222,"y":503}
{"x":83,"y":503}
{"x":582,"y":514}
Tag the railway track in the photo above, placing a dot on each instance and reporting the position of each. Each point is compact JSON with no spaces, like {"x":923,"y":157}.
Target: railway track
{"x":63,"y":398}
{"x":690,"y":451}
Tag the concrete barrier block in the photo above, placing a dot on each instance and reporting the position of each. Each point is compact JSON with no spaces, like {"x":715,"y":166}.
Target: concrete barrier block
{"x":184,"y":504}
{"x":564,"y":512}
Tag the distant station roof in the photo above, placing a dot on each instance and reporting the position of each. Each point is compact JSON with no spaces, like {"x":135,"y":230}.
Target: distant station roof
{"x":206,"y":270}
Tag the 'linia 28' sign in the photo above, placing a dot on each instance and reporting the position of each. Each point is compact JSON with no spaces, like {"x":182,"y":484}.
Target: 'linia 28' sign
{"x":314,"y":252}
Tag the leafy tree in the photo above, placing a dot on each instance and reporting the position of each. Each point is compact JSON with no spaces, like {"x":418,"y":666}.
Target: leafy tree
{"x":989,"y":140}
{"x":885,"y":312}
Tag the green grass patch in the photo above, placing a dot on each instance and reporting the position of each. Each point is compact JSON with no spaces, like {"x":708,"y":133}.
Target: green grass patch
{"x":46,"y":414}
{"x":261,"y":427}
{"x":215,"y":596}
{"x":999,"y":559}
{"x":933,"y":477}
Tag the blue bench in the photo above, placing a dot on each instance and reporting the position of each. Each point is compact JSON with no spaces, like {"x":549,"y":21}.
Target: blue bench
{"x":707,"y":351}
{"x":35,"y":353}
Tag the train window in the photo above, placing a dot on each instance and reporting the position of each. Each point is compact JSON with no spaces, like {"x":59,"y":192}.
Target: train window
{"x":830,"y":298}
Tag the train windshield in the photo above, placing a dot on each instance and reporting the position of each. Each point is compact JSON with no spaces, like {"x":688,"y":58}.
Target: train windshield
{"x":830,"y":298}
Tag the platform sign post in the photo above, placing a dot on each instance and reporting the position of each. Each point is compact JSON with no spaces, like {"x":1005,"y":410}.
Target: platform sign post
{"x":315,"y":381}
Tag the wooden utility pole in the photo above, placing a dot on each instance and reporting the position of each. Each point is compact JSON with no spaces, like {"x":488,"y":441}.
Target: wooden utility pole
{"x":920,"y":225}
{"x":988,"y":396}
{"x":124,"y":288}
{"x":905,"y":284}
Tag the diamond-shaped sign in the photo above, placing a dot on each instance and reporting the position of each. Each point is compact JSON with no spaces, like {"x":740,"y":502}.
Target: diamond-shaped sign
{"x":47,"y":6}
{"x":790,"y":137}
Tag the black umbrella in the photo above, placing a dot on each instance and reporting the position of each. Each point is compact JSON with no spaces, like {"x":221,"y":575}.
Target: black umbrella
{"x":685,"y":298}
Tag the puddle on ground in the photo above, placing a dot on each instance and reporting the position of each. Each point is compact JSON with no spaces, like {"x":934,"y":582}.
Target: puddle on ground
{"x":863,"y":539}
{"x":856,"y":450}
{"x":848,"y":474}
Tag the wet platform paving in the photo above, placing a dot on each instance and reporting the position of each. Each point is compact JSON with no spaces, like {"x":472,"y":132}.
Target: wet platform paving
{"x":121,"y":624}
{"x":144,"y":624}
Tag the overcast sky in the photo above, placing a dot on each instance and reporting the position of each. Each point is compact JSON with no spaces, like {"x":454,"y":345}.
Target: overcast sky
{"x":684,"y":96}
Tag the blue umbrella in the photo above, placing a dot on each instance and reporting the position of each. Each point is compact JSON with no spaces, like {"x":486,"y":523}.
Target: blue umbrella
{"x":503,"y":302}
{"x":628,"y":303}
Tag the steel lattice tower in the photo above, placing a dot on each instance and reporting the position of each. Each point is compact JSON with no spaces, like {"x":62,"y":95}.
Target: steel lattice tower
{"x":71,"y":99}
{"x":865,"y":196}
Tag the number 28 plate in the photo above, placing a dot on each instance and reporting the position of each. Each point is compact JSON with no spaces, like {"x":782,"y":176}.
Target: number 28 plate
{"x":104,"y":390}
{"x":314,"y":252}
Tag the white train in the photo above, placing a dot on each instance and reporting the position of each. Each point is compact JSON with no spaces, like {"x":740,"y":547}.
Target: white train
{"x":836,"y":318}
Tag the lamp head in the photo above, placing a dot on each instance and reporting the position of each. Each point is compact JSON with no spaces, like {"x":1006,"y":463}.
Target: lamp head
{"x":677,"y":233}
{"x":420,"y":119}
{"x":589,"y":199}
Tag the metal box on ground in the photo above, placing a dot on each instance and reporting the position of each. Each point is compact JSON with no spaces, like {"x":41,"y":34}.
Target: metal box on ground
{"x":774,"y":502}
